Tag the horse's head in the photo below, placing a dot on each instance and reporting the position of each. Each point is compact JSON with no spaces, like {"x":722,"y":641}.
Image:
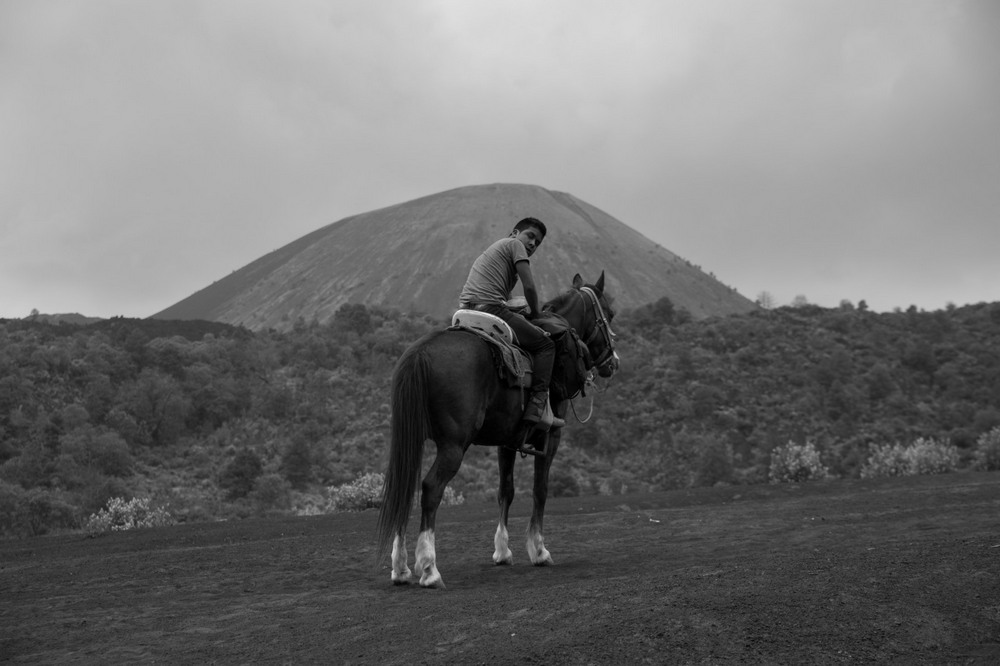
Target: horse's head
{"x":587,"y":309}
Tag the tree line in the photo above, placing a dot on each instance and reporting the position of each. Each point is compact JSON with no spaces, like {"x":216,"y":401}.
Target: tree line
{"x":213,"y":421}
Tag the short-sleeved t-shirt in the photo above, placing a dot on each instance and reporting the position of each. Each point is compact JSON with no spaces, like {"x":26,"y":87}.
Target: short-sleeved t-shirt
{"x":493,"y":274}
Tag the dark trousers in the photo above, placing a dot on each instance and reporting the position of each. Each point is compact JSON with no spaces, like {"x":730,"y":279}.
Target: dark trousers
{"x":533,"y":340}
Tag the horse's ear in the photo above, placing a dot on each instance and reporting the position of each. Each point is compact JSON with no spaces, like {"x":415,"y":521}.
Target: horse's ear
{"x":577,"y":281}
{"x":600,"y":283}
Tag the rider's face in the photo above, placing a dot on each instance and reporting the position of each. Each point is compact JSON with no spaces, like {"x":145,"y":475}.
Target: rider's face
{"x":530,"y":237}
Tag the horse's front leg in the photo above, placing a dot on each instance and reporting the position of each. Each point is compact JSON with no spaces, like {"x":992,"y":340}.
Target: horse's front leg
{"x":505,"y":496}
{"x":537,"y":552}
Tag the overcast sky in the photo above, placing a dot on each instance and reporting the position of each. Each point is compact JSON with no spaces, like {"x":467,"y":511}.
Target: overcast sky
{"x":844,"y":149}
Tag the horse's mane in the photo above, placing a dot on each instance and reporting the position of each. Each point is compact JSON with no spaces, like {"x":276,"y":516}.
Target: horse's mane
{"x":560,"y":300}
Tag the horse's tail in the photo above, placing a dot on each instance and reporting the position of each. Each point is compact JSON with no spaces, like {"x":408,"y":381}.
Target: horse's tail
{"x":410,"y":428}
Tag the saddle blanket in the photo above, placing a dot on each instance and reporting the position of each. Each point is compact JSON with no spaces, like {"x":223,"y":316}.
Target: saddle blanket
{"x":572,"y":358}
{"x":513,"y":363}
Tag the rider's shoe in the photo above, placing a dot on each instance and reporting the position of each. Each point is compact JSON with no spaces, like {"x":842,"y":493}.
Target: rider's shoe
{"x":539,"y":412}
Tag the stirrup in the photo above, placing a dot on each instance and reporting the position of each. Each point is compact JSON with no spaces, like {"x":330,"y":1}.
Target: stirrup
{"x":526,"y":449}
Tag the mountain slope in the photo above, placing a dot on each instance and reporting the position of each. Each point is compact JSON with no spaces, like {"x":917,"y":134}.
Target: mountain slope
{"x":416,"y":256}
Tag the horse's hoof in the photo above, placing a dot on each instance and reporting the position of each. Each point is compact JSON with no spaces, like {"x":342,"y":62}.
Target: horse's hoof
{"x":401,"y":578}
{"x":542,"y":559}
{"x":432,"y":582}
{"x":501,"y":559}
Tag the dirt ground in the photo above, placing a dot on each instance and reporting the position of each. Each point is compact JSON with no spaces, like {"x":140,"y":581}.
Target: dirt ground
{"x":893,"y":571}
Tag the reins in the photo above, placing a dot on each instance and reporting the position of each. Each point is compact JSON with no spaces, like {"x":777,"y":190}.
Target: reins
{"x":601,"y":327}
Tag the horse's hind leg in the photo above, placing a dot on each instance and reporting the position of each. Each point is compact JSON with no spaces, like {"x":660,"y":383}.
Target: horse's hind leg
{"x":446,"y":464}
{"x":505,"y":495}
{"x":400,"y":569}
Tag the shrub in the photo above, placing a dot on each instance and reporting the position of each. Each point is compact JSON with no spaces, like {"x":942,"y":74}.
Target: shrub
{"x":97,"y":495}
{"x":33,"y":512}
{"x":122,"y":515}
{"x":715,"y":465}
{"x":987,"y":456}
{"x":365,"y":492}
{"x":28,"y":468}
{"x":297,"y":462}
{"x":930,"y":456}
{"x":308,"y":504}
{"x":794,"y":463}
{"x":924,"y":456}
{"x":271,"y":492}
{"x":451,"y":498}
{"x":886,"y":460}
{"x":11,"y":501}
{"x":750,"y":476}
{"x":561,"y":484}
{"x":239,"y":476}
{"x":104,"y":451}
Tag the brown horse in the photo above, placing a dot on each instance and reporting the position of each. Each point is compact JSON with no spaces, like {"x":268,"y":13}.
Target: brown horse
{"x":446,"y":388}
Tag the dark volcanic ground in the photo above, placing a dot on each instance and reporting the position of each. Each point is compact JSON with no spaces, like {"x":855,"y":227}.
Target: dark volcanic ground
{"x":892,"y":571}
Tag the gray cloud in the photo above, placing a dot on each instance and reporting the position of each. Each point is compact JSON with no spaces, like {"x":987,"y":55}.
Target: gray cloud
{"x":840,"y":150}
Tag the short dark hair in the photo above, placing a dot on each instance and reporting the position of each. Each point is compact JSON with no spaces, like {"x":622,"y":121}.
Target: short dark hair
{"x":531,"y":222}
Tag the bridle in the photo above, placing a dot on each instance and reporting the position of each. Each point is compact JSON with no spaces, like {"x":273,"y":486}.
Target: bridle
{"x":602,"y":330}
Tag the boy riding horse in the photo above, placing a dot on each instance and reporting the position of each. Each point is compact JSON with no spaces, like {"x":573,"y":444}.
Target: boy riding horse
{"x":491,"y":280}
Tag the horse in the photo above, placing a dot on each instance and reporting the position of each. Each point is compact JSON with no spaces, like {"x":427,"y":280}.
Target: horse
{"x":446,"y":388}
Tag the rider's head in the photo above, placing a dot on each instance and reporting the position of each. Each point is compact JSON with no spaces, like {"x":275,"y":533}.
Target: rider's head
{"x":530,"y":222}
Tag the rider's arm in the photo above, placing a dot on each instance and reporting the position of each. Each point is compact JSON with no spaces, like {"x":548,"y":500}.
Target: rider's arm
{"x":528,"y":284}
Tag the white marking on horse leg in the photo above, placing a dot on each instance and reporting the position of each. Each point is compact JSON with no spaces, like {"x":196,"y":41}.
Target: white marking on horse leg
{"x":502,"y":554}
{"x":400,"y":569}
{"x":426,"y":560}
{"x":537,"y":553}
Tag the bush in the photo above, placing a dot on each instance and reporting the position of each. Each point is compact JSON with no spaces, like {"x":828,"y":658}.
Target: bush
{"x":97,"y":495}
{"x":365,"y":492}
{"x":930,"y":456}
{"x":97,"y":449}
{"x":239,"y":476}
{"x":987,"y":456}
{"x":271,"y":492}
{"x":33,"y":512}
{"x":308,"y":504}
{"x":11,"y":500}
{"x":886,"y":460}
{"x":29,"y":468}
{"x":715,"y":465}
{"x":297,"y":462}
{"x":451,"y":498}
{"x":561,"y":484}
{"x":924,"y":456}
{"x":794,"y":463}
{"x":120,"y":515}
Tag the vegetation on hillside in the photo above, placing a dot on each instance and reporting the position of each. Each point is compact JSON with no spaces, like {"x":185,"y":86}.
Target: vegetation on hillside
{"x":209,"y":421}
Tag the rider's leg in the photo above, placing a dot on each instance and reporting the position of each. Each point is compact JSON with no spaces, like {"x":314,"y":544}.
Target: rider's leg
{"x":543,"y":352}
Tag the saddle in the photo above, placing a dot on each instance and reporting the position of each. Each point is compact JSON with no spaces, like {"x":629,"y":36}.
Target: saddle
{"x":513,"y":363}
{"x":569,"y":371}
